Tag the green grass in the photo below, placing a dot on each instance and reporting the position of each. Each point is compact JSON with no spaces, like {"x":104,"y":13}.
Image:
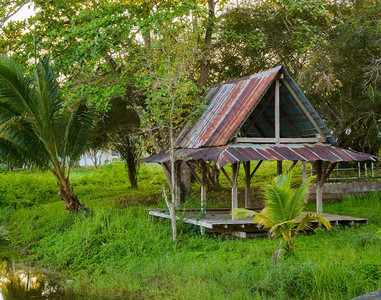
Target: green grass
{"x":119,"y":250}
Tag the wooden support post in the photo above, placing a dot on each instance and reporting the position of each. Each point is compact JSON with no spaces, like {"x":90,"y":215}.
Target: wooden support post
{"x":304,"y":171}
{"x":366,"y":171}
{"x":292,"y":166}
{"x":202,"y":181}
{"x":235,"y":171}
{"x":319,"y":193}
{"x":359,"y":169}
{"x":177,"y":184}
{"x":247,"y":183}
{"x":203,"y":187}
{"x":279,"y":170}
{"x":373,"y":170}
{"x":277,"y":114}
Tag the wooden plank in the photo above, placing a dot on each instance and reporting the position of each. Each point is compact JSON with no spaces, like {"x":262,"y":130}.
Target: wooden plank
{"x":193,"y":171}
{"x":239,"y":234}
{"x":203,"y":187}
{"x":186,"y":220}
{"x":235,"y":171}
{"x":292,"y":166}
{"x":177,"y":184}
{"x":247,"y":183}
{"x":304,"y":171}
{"x":319,"y":193}
{"x":281,"y":140}
{"x":256,"y":168}
{"x":279,"y":167}
{"x":227,"y":176}
{"x":277,"y":114}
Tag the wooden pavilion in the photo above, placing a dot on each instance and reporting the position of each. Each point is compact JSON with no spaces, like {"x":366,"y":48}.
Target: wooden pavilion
{"x":261,"y":117}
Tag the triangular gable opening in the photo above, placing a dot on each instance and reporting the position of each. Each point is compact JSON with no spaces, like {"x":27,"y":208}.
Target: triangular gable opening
{"x":296,"y":123}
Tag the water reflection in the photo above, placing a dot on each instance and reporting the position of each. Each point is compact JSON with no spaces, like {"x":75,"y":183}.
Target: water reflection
{"x":20,"y":281}
{"x":17,"y":283}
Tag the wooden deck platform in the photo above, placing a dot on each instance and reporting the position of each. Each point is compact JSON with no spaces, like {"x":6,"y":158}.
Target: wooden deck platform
{"x":220,"y":221}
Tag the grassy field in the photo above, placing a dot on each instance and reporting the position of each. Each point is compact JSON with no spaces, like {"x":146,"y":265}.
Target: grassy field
{"x":119,"y":250}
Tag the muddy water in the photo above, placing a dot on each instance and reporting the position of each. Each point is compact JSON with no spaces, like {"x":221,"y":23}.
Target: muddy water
{"x":20,"y":279}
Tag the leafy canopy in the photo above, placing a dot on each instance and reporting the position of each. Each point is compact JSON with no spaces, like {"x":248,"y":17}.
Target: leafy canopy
{"x":34,"y":128}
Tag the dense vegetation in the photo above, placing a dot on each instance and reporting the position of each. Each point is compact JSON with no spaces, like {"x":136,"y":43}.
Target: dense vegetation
{"x":144,"y":65}
{"x":119,"y":250}
{"x":145,"y":52}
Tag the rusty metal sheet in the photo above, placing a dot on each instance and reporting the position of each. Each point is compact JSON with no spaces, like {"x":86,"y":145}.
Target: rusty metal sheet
{"x":227,"y":107}
{"x":206,"y":154}
{"x":248,"y":152}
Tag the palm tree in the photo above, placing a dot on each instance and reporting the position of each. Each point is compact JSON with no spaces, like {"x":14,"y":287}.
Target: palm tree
{"x":283,"y":213}
{"x":36,"y":129}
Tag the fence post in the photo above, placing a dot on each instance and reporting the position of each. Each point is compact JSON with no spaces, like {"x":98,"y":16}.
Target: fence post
{"x":359,"y":169}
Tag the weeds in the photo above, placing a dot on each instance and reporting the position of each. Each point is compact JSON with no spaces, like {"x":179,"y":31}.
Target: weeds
{"x":123,"y":251}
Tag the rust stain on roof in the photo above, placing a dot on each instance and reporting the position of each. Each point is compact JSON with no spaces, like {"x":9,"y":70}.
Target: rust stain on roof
{"x":248,"y":152}
{"x":228,"y":106}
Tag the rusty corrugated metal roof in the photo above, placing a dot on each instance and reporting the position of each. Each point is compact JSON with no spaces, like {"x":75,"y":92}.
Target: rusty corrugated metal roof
{"x":232,"y":105}
{"x":228,"y":105}
{"x":248,"y":152}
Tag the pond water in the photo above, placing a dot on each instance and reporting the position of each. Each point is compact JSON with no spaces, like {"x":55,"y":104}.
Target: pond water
{"x":20,"y":280}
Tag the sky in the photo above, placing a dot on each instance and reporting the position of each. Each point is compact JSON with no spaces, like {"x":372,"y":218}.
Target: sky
{"x":23,"y":13}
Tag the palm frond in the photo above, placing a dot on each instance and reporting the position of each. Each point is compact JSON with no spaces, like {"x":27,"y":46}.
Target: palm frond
{"x":242,"y":213}
{"x":15,"y":154}
{"x":276,"y":198}
{"x":307,"y":218}
{"x":264,"y":219}
{"x":78,"y":131}
{"x":297,"y":202}
{"x":284,"y":180}
{"x":16,"y":88}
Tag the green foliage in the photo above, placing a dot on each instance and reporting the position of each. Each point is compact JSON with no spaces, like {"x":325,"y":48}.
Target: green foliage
{"x":108,"y":183}
{"x":341,"y":81}
{"x":26,"y":189}
{"x":123,"y":252}
{"x":283,"y":214}
{"x":35,"y":130}
{"x":172,"y":95}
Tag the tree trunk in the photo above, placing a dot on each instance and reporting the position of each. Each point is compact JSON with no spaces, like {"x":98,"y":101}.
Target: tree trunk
{"x":71,"y":200}
{"x":205,"y":62}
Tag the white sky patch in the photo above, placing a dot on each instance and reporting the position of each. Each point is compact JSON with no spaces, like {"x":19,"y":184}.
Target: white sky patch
{"x":25,"y":12}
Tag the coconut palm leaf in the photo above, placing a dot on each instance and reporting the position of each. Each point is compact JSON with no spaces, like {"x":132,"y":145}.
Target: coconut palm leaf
{"x":34,"y":128}
{"x":78,"y":131}
{"x":242,"y":213}
{"x":264,"y":219}
{"x":16,"y":88}
{"x":277,"y":198}
{"x":283,"y":214}
{"x":309,"y":217}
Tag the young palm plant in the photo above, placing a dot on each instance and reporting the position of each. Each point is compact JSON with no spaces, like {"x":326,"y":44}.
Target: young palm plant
{"x":283,"y":213}
{"x":36,"y":130}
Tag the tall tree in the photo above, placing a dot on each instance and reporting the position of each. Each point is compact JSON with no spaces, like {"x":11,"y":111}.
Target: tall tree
{"x":342,"y":79}
{"x":258,"y":35}
{"x":35,"y":128}
{"x":172,"y":96}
